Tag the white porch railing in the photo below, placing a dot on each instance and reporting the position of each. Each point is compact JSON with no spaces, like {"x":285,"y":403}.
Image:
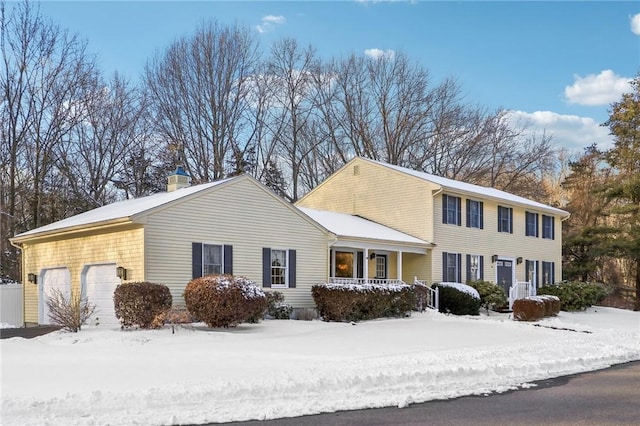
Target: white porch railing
{"x":520,"y":290}
{"x":360,"y":281}
{"x":11,"y":304}
{"x":432,"y":299}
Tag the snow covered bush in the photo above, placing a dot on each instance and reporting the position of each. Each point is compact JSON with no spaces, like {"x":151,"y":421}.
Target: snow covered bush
{"x":576,"y":295}
{"x":422,"y":294}
{"x":457,"y":298}
{"x":276,"y":308}
{"x":529,"y":309}
{"x":139,"y":303}
{"x":492,"y":296}
{"x":225,"y":300}
{"x":357,"y":302}
{"x":69,"y":313}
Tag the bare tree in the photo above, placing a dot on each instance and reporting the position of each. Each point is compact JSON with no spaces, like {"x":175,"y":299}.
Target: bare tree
{"x":45,"y":71}
{"x":198,"y":90}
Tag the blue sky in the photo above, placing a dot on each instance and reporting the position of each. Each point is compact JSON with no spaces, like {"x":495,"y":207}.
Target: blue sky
{"x":557,"y":65}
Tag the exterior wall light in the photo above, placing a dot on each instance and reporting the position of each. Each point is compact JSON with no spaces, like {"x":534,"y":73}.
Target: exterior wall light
{"x":33,"y":278}
{"x":121,"y":273}
{"x":494,"y":258}
{"x":519,"y":260}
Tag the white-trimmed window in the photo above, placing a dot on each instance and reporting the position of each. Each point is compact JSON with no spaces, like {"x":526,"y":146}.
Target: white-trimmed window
{"x":531,"y":229}
{"x":211,"y":259}
{"x":381,"y":266}
{"x":548,"y":225}
{"x":451,"y":210}
{"x":505,"y":219}
{"x":475,"y":266}
{"x":548,"y":273}
{"x":452,"y":267}
{"x":475,"y":214}
{"x":278,"y":267}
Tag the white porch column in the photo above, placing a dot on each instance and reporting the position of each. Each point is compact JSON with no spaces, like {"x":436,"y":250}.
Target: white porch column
{"x":399,"y":265}
{"x":365,"y":265}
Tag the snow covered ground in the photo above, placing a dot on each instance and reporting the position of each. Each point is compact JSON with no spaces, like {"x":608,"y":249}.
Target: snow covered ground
{"x":290,"y":368}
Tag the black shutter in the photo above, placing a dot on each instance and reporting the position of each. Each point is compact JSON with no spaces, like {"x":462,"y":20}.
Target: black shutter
{"x":553,"y":273}
{"x":444,"y":266}
{"x":196,"y":260}
{"x":266,"y":267}
{"x":481,"y":267}
{"x":553,"y":227}
{"x":527,"y":265}
{"x":444,"y":208}
{"x":469,"y":277}
{"x":481,"y":208}
{"x":537,"y":266}
{"x":228,"y":260}
{"x":500,"y":213}
{"x":510,"y":210}
{"x":292,"y":269}
{"x":459,"y":210}
{"x":459,"y":268}
{"x":468,"y":203}
{"x":359,"y":265}
{"x":527,"y":218}
{"x":537,"y":225}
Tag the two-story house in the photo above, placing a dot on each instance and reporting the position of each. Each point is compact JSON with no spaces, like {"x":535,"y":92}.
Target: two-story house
{"x":476,"y":232}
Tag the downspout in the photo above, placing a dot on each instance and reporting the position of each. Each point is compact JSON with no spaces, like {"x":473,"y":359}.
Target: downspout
{"x":24,"y":286}
{"x":330,"y":243}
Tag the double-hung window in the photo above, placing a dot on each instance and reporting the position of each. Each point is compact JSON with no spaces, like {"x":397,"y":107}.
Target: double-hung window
{"x":548,"y":226}
{"x":548,"y":272}
{"x":475,"y":214}
{"x":451,"y":210}
{"x":531,"y":271}
{"x":452,"y":267}
{"x":531,"y":229}
{"x":278,"y":268}
{"x":211,"y":259}
{"x":475,"y":266}
{"x":505,"y":219}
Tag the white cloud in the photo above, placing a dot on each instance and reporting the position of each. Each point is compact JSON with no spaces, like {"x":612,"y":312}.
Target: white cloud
{"x":601,"y":89}
{"x":567,"y":131}
{"x":378,"y":53}
{"x":269,"y":22}
{"x":635,"y":24}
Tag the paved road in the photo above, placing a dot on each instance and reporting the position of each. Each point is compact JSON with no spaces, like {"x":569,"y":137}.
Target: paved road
{"x":605,"y":397}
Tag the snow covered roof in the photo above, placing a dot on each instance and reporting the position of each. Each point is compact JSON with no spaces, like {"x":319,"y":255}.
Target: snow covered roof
{"x":122,"y":210}
{"x":470,"y":188}
{"x":349,"y":226}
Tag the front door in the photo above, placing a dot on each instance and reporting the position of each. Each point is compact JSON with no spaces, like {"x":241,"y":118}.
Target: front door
{"x":381,"y":266}
{"x":504,"y":274}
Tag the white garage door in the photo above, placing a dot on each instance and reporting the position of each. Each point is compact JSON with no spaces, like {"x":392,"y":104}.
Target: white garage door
{"x":50,"y":279}
{"x":99,"y":283}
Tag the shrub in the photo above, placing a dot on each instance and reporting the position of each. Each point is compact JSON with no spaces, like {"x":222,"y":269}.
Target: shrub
{"x":139,"y":303}
{"x":422,"y":293}
{"x":72,"y":313}
{"x":492,"y":296}
{"x":225,"y":300}
{"x":351,"y":302}
{"x":276,"y":308}
{"x":177,"y":315}
{"x":576,"y":295}
{"x":529,"y":309}
{"x":457,"y":298}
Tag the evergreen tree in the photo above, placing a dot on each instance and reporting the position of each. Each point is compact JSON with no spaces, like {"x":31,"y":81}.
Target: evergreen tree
{"x":624,"y":189}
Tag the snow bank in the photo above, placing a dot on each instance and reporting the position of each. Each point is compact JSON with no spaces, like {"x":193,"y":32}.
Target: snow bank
{"x":290,"y":368}
{"x":463,"y":288}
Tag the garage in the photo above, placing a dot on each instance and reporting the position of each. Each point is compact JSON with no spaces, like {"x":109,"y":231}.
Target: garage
{"x":98,"y":283}
{"x":50,"y":280}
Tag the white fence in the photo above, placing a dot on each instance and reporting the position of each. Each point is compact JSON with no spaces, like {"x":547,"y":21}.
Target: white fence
{"x":11,"y":304}
{"x":520,"y":290}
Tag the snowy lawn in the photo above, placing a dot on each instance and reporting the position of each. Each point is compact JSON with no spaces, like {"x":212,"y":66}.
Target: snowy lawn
{"x":290,"y":368}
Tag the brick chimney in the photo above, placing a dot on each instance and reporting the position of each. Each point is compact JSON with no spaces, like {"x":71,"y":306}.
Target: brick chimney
{"x":178,"y":179}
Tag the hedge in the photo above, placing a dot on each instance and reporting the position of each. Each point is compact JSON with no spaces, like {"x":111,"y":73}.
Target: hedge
{"x":357,"y":302}
{"x":457,"y":298}
{"x":576,"y":295}
{"x":492,"y":296}
{"x":535,"y":307}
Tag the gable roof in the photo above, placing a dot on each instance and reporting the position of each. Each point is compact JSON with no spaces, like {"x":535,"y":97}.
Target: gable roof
{"x":123,"y":210}
{"x":349,"y":226}
{"x":469,"y":188}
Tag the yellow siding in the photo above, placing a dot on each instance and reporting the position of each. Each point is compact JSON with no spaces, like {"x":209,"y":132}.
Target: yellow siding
{"x":245,"y":216}
{"x":380,"y":194}
{"x":488,"y":241}
{"x":416,"y":266}
{"x":123,"y":247}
